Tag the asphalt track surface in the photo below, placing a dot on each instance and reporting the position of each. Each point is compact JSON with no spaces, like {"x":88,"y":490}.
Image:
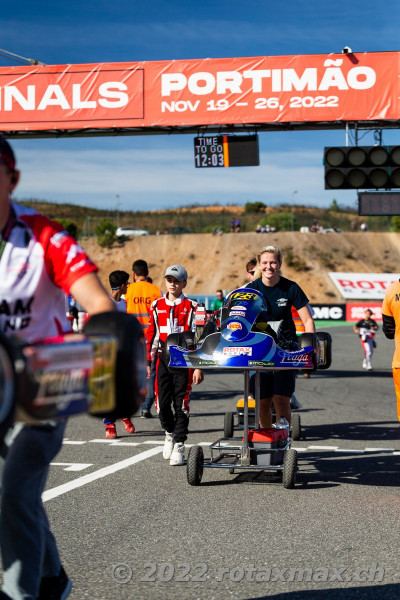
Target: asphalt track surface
{"x":130,"y":527}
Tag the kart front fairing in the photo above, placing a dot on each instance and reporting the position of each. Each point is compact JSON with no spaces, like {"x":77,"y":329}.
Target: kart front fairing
{"x":237,"y":345}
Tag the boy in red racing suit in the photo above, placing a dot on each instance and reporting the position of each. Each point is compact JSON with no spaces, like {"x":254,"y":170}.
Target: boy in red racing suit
{"x":173,"y":313}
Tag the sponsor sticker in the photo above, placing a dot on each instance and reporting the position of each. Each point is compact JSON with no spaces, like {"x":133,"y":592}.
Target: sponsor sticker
{"x":238,"y":351}
{"x":237,"y":313}
{"x":234,"y":326}
{"x":244,"y":296}
{"x":295,"y":358}
{"x":260,"y":363}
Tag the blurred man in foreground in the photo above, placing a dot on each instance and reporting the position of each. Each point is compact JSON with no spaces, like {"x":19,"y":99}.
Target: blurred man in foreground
{"x":39,"y":264}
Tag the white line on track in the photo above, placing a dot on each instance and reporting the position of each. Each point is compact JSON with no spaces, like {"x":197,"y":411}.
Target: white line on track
{"x":80,"y":481}
{"x":72,"y":442}
{"x":72,"y":466}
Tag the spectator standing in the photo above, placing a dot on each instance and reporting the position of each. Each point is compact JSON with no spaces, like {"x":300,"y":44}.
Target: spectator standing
{"x":219,"y":301}
{"x":139,"y":298}
{"x":251,"y":268}
{"x":40,"y":264}
{"x":119,"y":285}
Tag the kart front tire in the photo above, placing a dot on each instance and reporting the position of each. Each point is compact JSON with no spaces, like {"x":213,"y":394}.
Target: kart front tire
{"x":289,"y":469}
{"x":296,"y":427}
{"x":228,"y":424}
{"x":194,"y":467}
{"x":326,"y":337}
{"x":310,"y":339}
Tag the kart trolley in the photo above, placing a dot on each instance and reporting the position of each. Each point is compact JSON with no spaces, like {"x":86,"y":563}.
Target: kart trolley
{"x":259,"y":449}
{"x":247,"y":343}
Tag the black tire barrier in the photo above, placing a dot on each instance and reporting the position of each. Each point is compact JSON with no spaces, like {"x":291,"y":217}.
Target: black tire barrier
{"x":130,"y":376}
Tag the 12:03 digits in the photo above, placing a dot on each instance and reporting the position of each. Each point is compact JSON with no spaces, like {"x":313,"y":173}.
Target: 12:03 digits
{"x":299,"y":102}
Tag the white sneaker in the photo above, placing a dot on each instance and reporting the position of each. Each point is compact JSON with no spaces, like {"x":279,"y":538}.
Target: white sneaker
{"x":168,"y":445}
{"x":369,"y":366}
{"x":364,"y":364}
{"x":178,"y":454}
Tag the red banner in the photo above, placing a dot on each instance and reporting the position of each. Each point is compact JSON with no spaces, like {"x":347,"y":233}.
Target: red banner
{"x":355,"y":311}
{"x":275,"y":89}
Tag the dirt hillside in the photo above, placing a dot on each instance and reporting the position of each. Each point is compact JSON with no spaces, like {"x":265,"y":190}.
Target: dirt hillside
{"x":219,"y":261}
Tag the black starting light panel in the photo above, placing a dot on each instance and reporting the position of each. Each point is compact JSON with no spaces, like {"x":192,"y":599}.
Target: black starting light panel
{"x":378,"y":203}
{"x":226,"y":151}
{"x":362,"y":167}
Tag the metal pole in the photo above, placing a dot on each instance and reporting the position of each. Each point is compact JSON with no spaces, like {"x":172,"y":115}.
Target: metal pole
{"x":257,"y":400}
{"x":117,"y":197}
{"x":245,"y":457}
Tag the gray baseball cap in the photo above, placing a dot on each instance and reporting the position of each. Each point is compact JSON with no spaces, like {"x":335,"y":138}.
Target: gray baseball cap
{"x":176,"y":271}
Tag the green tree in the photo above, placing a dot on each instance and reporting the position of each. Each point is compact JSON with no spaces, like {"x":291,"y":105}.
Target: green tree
{"x":395,"y":222}
{"x":334,"y":206}
{"x":254,"y":207}
{"x":70,"y":227}
{"x":282,"y":221}
{"x":105,"y":233}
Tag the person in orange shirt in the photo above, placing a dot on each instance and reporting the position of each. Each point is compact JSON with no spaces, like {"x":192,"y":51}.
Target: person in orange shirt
{"x":391,"y":329}
{"x":139,"y":298}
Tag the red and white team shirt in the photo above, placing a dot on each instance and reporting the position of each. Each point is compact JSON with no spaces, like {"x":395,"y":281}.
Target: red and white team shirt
{"x":39,"y":264}
{"x":167,"y":316}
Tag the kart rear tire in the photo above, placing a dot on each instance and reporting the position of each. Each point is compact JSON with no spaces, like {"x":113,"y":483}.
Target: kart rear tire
{"x":310,"y":339}
{"x":228,"y":424}
{"x":296,"y":427}
{"x":289,"y":469}
{"x":203,"y":331}
{"x":194,"y":467}
{"x":187,"y":340}
{"x":326,"y":337}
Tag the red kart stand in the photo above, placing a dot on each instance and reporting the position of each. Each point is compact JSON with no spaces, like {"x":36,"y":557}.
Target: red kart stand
{"x":258,"y":450}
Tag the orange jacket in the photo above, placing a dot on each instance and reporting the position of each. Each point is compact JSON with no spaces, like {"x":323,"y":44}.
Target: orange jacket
{"x":139,"y":298}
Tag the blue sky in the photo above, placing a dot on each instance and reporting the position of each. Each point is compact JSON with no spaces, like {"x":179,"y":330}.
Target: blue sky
{"x":153,"y":172}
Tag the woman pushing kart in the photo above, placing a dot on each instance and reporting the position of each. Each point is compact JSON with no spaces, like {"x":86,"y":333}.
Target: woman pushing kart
{"x":280,"y":294}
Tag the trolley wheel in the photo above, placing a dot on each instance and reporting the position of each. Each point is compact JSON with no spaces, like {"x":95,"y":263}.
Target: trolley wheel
{"x":296,"y":427}
{"x":194,"y":469}
{"x":289,"y":469}
{"x":228,"y":424}
{"x":231,"y":471}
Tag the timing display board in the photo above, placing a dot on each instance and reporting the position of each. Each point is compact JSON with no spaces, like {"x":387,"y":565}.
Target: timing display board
{"x":226,"y":151}
{"x":378,"y":203}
